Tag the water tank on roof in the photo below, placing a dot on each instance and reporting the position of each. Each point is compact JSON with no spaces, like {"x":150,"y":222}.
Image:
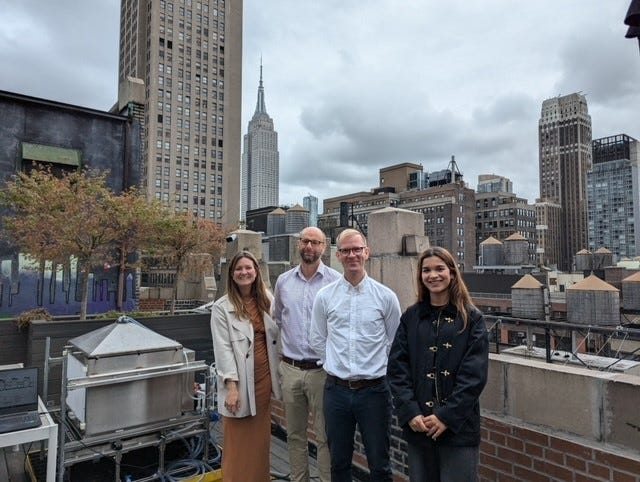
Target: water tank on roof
{"x":296,"y":219}
{"x":516,"y":250}
{"x":584,"y":260}
{"x":527,"y":298}
{"x":592,"y":301}
{"x":492,"y":252}
{"x":276,"y":222}
{"x":602,"y":258}
{"x":631,"y":292}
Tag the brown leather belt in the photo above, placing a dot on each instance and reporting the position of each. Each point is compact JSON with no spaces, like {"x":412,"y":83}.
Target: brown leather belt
{"x":356,"y":384}
{"x":302,"y":364}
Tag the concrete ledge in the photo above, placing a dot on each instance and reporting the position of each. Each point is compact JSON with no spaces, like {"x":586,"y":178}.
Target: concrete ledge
{"x":598,"y":406}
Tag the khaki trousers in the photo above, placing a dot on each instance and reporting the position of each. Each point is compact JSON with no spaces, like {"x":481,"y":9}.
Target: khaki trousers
{"x":302,"y":393}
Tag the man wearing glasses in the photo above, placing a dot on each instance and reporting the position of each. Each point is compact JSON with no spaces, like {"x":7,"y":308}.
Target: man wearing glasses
{"x":301,"y":373}
{"x":353,"y":324}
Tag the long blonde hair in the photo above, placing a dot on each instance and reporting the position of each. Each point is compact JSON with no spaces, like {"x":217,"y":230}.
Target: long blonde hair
{"x":258,"y":288}
{"x":458,"y":293}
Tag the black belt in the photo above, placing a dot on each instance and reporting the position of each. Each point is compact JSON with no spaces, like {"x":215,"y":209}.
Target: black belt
{"x":302,"y":364}
{"x":356,"y":384}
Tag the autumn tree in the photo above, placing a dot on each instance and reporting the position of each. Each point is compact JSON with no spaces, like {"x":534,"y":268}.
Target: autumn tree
{"x":182,"y":234}
{"x":54,"y":218}
{"x":134,"y":221}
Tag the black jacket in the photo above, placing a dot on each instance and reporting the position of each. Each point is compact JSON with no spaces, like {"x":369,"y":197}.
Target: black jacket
{"x":435,"y":368}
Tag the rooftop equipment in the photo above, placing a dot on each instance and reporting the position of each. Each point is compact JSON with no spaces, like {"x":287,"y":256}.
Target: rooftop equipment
{"x":125,"y":387}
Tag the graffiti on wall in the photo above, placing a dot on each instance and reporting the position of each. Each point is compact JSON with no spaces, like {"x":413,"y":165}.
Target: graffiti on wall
{"x":25,"y":285}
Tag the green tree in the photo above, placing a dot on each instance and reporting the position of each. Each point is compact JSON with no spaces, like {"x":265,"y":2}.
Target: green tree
{"x":181,"y":234}
{"x":54,"y":218}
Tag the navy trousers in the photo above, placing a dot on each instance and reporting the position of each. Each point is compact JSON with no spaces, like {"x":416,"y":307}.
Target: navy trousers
{"x":368,"y":408}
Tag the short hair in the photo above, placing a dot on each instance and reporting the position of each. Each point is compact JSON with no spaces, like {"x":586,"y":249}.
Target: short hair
{"x":349,"y":232}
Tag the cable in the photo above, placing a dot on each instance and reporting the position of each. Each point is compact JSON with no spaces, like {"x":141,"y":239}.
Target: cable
{"x":180,"y":466}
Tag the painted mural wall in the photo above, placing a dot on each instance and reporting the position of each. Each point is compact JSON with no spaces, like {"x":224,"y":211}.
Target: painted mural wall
{"x":106,"y":141}
{"x":25,"y":285}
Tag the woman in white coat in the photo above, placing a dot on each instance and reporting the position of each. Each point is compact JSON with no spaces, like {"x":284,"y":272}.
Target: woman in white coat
{"x":246,"y":356}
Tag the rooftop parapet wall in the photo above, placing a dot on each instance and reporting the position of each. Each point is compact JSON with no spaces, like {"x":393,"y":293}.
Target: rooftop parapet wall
{"x":388,"y":226}
{"x":598,"y":406}
{"x":394,"y":261}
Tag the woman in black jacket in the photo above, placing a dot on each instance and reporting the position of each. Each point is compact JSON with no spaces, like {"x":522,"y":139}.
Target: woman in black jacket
{"x":437,"y":370}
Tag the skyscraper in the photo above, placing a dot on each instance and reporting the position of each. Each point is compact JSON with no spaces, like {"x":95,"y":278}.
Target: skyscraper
{"x":613,"y":188}
{"x":311,"y":203}
{"x":260,"y":159}
{"x":564,"y":140}
{"x":188,"y":53}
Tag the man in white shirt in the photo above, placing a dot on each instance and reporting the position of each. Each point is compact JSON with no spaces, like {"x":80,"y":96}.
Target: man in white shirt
{"x":353,"y":324}
{"x":301,"y":373}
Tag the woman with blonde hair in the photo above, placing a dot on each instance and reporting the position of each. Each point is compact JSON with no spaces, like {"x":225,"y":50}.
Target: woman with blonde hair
{"x":437,"y":369}
{"x":246,"y":359}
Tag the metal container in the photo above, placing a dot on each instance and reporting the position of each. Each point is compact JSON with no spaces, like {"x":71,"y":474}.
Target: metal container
{"x":592,"y":301}
{"x":125,"y":375}
{"x":516,"y":250}
{"x":492,"y":252}
{"x":527,"y":298}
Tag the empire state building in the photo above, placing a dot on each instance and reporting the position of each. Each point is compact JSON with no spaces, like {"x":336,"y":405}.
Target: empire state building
{"x":260,"y":160}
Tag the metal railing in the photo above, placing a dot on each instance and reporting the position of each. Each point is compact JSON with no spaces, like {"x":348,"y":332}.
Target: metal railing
{"x":581,"y":341}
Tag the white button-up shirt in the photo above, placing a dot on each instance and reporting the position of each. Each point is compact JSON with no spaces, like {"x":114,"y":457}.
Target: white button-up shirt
{"x":353,"y":327}
{"x":294,"y":295}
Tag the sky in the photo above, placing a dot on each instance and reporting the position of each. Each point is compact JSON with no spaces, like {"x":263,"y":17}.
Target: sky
{"x":357,"y":85}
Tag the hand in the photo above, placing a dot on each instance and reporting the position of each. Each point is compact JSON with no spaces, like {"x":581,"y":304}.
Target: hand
{"x":232,"y":401}
{"x":417,"y":424}
{"x":434,"y":427}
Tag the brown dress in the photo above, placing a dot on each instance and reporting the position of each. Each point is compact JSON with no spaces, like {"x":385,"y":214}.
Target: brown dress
{"x":246,"y":449}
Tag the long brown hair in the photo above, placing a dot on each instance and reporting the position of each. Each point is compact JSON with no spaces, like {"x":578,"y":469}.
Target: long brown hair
{"x":458,"y":293}
{"x":258,"y":288}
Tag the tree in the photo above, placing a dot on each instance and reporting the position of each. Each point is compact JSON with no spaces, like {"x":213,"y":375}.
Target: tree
{"x":181,"y":234}
{"x":55,"y":218}
{"x":134,"y":221}
{"x":75,"y":215}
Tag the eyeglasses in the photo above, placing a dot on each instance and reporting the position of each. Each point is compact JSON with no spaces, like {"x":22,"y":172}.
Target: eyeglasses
{"x":347,"y":251}
{"x":313,"y":242}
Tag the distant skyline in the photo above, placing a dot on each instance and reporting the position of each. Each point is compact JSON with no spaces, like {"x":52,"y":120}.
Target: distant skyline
{"x":353,"y":87}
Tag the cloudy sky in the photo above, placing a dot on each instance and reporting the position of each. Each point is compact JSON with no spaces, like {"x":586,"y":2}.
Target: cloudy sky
{"x":356,"y":85}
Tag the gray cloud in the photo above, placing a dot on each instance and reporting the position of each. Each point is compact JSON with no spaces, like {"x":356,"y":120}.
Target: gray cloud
{"x":64,"y":50}
{"x":588,"y":62}
{"x":354,"y":86}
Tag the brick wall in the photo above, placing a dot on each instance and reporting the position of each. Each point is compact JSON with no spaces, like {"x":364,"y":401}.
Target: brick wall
{"x":517,"y":453}
{"x":151,"y":304}
{"x":512,"y":452}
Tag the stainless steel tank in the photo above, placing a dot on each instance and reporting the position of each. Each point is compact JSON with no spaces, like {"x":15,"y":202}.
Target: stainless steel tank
{"x":125,"y":375}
